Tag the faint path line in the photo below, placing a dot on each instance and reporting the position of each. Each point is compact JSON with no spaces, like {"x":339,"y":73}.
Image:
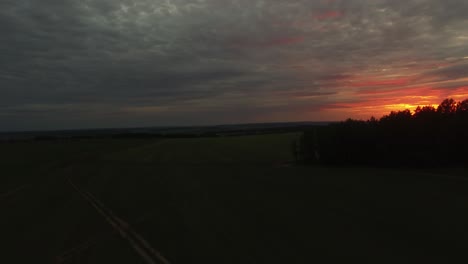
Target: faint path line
{"x":71,"y":252}
{"x":13,"y":192}
{"x":139,"y":244}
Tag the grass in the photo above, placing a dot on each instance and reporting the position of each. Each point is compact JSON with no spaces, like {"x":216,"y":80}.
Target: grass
{"x":228,"y":200}
{"x":26,"y":162}
{"x":295,"y":215}
{"x":245,"y":149}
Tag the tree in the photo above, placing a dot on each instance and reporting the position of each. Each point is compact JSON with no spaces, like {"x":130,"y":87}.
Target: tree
{"x":447,"y":107}
{"x":429,"y":137}
{"x":428,"y":109}
{"x":373,"y":120}
{"x":425,"y":114}
{"x":462,"y":107}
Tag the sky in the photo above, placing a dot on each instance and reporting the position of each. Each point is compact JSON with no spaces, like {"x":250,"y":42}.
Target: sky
{"x":131,"y":63}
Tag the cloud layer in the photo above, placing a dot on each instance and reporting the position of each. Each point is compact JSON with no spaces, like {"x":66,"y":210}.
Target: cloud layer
{"x":90,"y":63}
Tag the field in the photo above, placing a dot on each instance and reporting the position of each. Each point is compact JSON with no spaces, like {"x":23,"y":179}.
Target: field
{"x":222,"y":200}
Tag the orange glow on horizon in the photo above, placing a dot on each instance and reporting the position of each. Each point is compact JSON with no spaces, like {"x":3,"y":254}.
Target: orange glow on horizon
{"x":366,"y":109}
{"x":411,"y":107}
{"x":380,"y":89}
{"x":374,"y":96}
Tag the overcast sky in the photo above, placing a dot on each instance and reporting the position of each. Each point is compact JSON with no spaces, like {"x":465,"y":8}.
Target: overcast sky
{"x":132,"y":63}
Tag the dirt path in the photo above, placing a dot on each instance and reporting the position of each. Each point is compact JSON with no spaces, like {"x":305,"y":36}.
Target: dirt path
{"x":136,"y":241}
{"x":75,"y":250}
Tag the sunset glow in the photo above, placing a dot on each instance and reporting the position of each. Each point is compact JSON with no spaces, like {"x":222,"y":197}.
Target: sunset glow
{"x":162,"y":63}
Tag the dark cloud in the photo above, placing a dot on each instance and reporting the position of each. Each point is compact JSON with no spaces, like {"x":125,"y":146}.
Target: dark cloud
{"x":452,"y":72}
{"x":129,"y":62}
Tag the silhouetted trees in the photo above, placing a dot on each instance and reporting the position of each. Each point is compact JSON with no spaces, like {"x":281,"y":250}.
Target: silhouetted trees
{"x":447,"y":107}
{"x":427,"y":137}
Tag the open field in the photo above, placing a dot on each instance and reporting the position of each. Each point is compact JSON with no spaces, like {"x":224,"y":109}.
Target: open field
{"x":223,"y":200}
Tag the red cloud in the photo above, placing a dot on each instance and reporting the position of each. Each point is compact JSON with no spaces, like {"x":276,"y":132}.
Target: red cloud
{"x":400,"y":81}
{"x":268,"y":43}
{"x":329,"y":15}
{"x":284,"y":41}
{"x":399,"y":91}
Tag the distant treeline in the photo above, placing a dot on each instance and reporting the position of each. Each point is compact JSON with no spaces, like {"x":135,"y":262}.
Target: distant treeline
{"x":428,"y":137}
{"x":57,"y":136}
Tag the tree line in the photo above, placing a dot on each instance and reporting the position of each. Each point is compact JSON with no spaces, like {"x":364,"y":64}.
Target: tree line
{"x":428,"y":136}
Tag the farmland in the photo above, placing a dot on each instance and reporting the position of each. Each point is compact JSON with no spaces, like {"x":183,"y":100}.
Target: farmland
{"x":233,"y":199}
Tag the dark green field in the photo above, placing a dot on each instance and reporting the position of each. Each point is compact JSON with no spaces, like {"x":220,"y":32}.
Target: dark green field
{"x":223,"y":200}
